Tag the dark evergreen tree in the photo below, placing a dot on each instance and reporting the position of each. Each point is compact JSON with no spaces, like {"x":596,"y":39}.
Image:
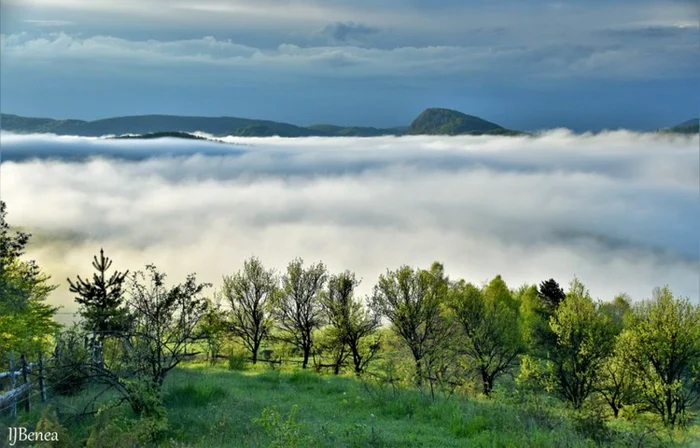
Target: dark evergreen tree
{"x":102,"y":299}
{"x":551,"y":295}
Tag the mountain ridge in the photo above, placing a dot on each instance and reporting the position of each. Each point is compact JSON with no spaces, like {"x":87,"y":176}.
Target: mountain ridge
{"x":246,"y":127}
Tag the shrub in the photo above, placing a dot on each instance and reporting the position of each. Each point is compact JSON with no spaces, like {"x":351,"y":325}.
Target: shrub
{"x":49,"y":423}
{"x":285,"y":433}
{"x":237,"y":361}
{"x":67,"y":374}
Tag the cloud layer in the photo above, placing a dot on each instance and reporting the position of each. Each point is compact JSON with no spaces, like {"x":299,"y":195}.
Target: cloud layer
{"x":617,"y":209}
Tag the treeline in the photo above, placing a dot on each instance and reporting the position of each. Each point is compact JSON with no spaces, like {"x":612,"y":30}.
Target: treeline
{"x":644,"y":356}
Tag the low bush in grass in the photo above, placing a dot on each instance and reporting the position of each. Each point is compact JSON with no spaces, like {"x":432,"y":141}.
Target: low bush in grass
{"x":194,"y":395}
{"x":238,"y":361}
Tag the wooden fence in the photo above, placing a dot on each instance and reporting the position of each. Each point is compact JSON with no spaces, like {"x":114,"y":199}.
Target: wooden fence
{"x":21,"y":385}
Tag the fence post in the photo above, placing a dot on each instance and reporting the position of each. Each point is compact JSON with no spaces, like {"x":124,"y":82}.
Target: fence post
{"x":42,"y":385}
{"x":25,"y":379}
{"x":93,"y":349}
{"x":13,"y":407}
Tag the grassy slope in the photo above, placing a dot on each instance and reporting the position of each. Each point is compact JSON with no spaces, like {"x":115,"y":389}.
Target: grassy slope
{"x":214,"y":407}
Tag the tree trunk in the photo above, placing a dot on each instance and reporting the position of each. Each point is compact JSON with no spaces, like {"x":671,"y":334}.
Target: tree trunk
{"x":256,"y":348}
{"x":419,"y":372}
{"x":307,"y":351}
{"x":487,"y":383}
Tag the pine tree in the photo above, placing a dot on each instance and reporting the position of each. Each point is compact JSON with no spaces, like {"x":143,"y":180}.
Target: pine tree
{"x":551,"y":295}
{"x":102,"y":299}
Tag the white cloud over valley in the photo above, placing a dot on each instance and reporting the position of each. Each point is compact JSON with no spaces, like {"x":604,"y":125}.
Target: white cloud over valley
{"x":618,"y":209}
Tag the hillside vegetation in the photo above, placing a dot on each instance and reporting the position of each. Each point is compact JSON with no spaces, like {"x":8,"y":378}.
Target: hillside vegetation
{"x":298,"y":359}
{"x":432,"y":121}
{"x":687,"y":127}
{"x":436,"y":121}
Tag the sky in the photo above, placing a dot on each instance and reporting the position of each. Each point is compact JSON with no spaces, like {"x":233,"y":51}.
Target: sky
{"x":524,"y":64}
{"x":618,"y":209}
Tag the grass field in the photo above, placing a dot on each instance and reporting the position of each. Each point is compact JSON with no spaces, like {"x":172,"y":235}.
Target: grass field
{"x":216,"y":407}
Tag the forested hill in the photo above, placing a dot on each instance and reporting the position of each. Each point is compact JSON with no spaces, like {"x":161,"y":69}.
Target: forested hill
{"x":432,"y":121}
{"x":436,"y":121}
{"x":691,"y":126}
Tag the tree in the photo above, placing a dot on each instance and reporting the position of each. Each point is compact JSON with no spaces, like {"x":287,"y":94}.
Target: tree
{"x":298,"y":307}
{"x":161,"y":327}
{"x":662,"y":344}
{"x":250,"y":292}
{"x":533,"y":325}
{"x":412,"y":300}
{"x":491,"y":336}
{"x":617,"y":311}
{"x":213,"y":328}
{"x":101,"y":300}
{"x":551,"y":295}
{"x":584,"y":340}
{"x":353,"y":324}
{"x":26,"y":320}
{"x":618,"y":384}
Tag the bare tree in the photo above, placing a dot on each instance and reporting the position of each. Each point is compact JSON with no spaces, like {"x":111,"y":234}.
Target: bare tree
{"x":353,"y":323}
{"x":298,"y":308}
{"x":250,"y":293}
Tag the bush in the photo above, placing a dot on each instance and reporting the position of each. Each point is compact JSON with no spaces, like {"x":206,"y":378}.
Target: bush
{"x":49,"y":423}
{"x":285,"y":433}
{"x":237,"y":361}
{"x":67,"y":375}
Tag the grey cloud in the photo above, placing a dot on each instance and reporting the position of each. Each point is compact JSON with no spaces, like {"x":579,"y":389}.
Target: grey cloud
{"x":207,"y":56}
{"x":49,"y":23}
{"x":617,"y":209}
{"x":348,"y":32}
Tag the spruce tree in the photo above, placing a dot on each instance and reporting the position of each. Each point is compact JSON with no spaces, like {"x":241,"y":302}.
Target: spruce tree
{"x":102,"y":299}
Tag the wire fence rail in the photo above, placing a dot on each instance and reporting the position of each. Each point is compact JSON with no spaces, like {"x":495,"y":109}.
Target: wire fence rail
{"x":21,"y":384}
{"x":29,"y":379}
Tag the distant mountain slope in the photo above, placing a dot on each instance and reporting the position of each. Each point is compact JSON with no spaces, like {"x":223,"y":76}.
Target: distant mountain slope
{"x":156,"y":135}
{"x":691,"y":126}
{"x":432,"y":121}
{"x":437,"y":121}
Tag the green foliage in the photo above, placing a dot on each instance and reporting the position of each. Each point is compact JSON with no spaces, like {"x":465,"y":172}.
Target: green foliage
{"x":250,"y":294}
{"x":413,"y":300}
{"x":584,"y":341}
{"x":26,"y":320}
{"x":101,"y":300}
{"x":213,"y":328}
{"x":297,"y":308}
{"x":618,"y":384}
{"x":237,"y":361}
{"x":165,"y":320}
{"x":353,"y":325}
{"x":66,"y":374}
{"x":436,"y":121}
{"x":49,"y":423}
{"x":114,"y":430}
{"x":194,"y":395}
{"x":532,"y":321}
{"x":285,"y":433}
{"x":491,"y":339}
{"x":662,"y":345}
{"x":551,"y":295}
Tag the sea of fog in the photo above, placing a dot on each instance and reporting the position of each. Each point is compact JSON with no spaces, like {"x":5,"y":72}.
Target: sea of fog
{"x":620,"y":210}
